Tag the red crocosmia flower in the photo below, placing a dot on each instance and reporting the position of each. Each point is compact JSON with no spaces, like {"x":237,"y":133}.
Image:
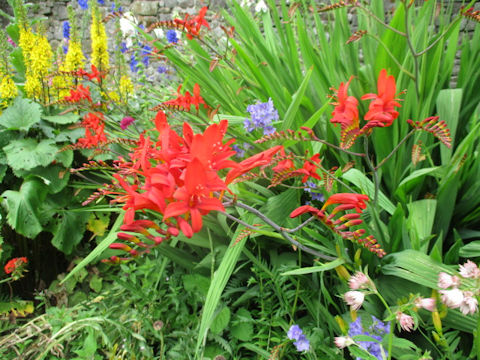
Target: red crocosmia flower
{"x":194,"y":198}
{"x":357,"y":201}
{"x":192,"y":25}
{"x":307,"y":209}
{"x":310,"y":169}
{"x":15,"y":264}
{"x":260,"y":159}
{"x":95,"y":74}
{"x":382,"y":108}
{"x":187,"y":100}
{"x":79,"y":94}
{"x":94,"y":131}
{"x":284,"y":165}
{"x":345,"y":113}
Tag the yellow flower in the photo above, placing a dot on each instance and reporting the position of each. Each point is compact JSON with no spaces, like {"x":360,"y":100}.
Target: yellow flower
{"x":126,"y":86}
{"x":8,"y":90}
{"x":113,"y":95}
{"x":74,"y":59}
{"x":99,"y":42}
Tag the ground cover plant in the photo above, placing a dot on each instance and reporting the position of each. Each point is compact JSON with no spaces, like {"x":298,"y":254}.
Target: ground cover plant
{"x":302,"y":187}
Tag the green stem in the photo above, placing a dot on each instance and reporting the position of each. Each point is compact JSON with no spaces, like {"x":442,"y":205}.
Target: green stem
{"x":392,"y":324}
{"x":376,"y":18}
{"x":476,"y":339}
{"x":394,"y":150}
{"x":412,"y":50}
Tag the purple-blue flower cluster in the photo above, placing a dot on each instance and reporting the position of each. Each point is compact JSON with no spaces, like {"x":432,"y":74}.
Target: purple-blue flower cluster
{"x":241,"y":149}
{"x":66,"y":30}
{"x":114,"y":8}
{"x":83,"y":4}
{"x":262,"y":115}
{"x":172,"y":36}
{"x":311,"y":188}
{"x":377,"y":330}
{"x":301,"y":343}
{"x":101,"y":2}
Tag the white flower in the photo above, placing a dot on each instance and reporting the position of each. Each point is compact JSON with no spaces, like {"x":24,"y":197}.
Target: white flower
{"x":426,"y":303}
{"x":445,"y":280}
{"x":406,"y":321}
{"x":128,"y":24}
{"x":469,"y":270}
{"x":246,"y":3}
{"x":343,"y":341}
{"x":261,"y":6}
{"x":159,"y":33}
{"x":452,"y":298}
{"x":354,"y":299}
{"x":358,"y":281}
{"x":469,"y":304}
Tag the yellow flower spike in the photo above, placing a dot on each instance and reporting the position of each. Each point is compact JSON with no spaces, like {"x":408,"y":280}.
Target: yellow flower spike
{"x":8,"y":90}
{"x":126,"y":87}
{"x":341,"y":324}
{"x":342,"y":272}
{"x":74,"y":59}
{"x":437,"y":322}
{"x":99,"y":42}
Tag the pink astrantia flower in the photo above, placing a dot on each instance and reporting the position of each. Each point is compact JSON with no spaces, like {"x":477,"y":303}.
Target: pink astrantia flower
{"x":358,"y":281}
{"x":445,"y":281}
{"x":343,"y":341}
{"x":426,"y":303}
{"x":354,"y":299}
{"x":126,"y":122}
{"x":469,"y":304}
{"x":406,"y":321}
{"x":469,"y":270}
{"x":452,"y":298}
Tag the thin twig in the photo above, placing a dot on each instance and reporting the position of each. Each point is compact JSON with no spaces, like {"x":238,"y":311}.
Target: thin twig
{"x":295,"y":229}
{"x":394,"y":150}
{"x":282,"y":231}
{"x":420,"y":53}
{"x":376,"y":18}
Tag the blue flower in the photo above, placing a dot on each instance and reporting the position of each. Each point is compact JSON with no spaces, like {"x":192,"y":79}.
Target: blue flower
{"x":302,"y":343}
{"x":123,"y":47}
{"x":66,"y":30}
{"x":172,"y":36}
{"x":101,"y":2}
{"x":113,"y":8}
{"x":239,"y":152}
{"x":162,"y":69}
{"x":315,"y":195}
{"x":83,"y":4}
{"x":377,"y":331}
{"x":294,"y":332}
{"x":146,"y":50}
{"x":262,"y":115}
{"x":133,"y":63}
{"x":65,"y":49}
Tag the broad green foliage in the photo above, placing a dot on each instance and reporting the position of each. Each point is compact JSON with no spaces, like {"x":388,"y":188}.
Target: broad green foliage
{"x":21,"y":115}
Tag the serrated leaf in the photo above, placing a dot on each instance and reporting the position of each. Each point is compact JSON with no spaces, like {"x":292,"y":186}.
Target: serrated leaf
{"x":69,"y":118}
{"x":220,"y":321}
{"x":68,"y":230}
{"x":96,"y":283}
{"x":243,"y":329}
{"x":22,"y":207}
{"x":21,"y":115}
{"x":25,"y":154}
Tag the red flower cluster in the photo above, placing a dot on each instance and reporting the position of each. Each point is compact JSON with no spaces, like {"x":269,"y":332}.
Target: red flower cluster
{"x":342,"y":224}
{"x":15,"y":264}
{"x":186,"y":101}
{"x":192,"y":25}
{"x":176,"y":176}
{"x":79,"y":94}
{"x":94,"y":131}
{"x":381,"y":111}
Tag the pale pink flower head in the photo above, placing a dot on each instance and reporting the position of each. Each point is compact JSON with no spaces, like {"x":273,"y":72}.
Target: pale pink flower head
{"x":452,"y":298}
{"x":426,"y":303}
{"x":445,"y":281}
{"x":358,"y":281}
{"x":469,"y":304}
{"x":406,"y":321}
{"x":469,"y":270}
{"x":354,"y":299}
{"x":343,"y":341}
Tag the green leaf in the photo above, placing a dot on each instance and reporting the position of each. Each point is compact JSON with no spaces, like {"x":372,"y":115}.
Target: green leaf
{"x":448,"y":108}
{"x":220,"y":322}
{"x":312,"y":269}
{"x":96,"y":283}
{"x":366,"y":186}
{"x":111,"y":237}
{"x":470,"y":250}
{"x":411,"y":181}
{"x":54,"y":176}
{"x":68,"y":230}
{"x":21,"y":115}
{"x":420,"y":220}
{"x":69,"y":118}
{"x":243,"y":328}
{"x":25,"y":154}
{"x":292,"y":110}
{"x":22,"y":207}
